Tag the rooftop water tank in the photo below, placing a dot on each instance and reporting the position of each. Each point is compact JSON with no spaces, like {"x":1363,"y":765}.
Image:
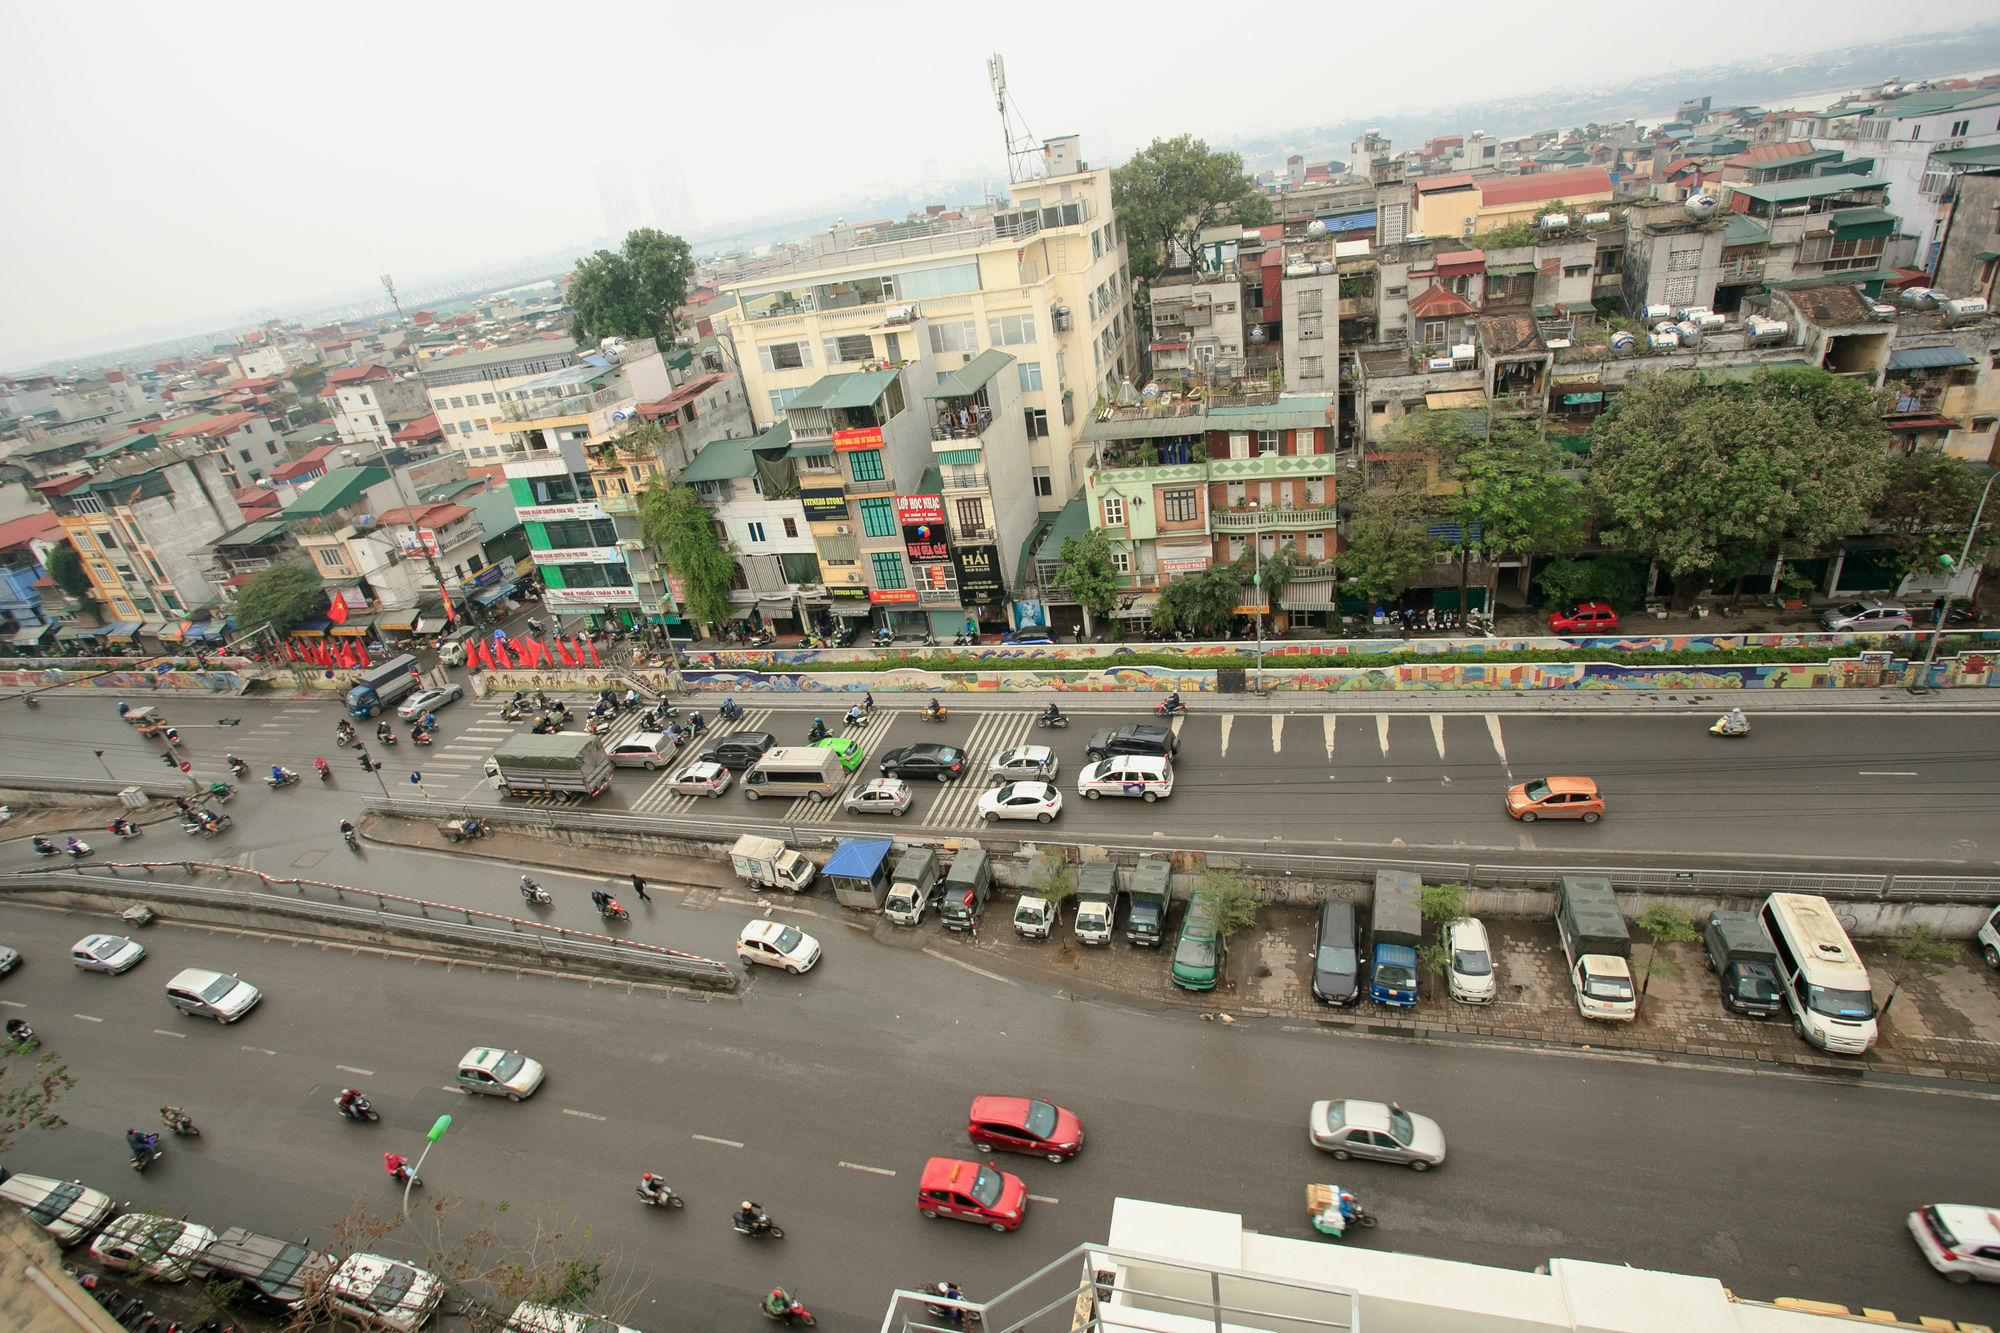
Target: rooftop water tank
{"x":1661,"y":342}
{"x":1596,"y":219}
{"x":1556,"y":222}
{"x":1622,"y":341}
{"x":1701,"y":205}
{"x":1316,"y":228}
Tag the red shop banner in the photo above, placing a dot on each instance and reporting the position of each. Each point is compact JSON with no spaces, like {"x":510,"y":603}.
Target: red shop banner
{"x":920,"y":509}
{"x":869,"y":437}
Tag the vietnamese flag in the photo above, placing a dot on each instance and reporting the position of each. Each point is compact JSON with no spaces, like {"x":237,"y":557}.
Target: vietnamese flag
{"x":535,"y":650}
{"x":336,"y":611}
{"x":576,"y":647}
{"x":562,"y":652}
{"x":496,"y":660}
{"x":485,"y":657}
{"x":593,"y":651}
{"x":326,"y":657}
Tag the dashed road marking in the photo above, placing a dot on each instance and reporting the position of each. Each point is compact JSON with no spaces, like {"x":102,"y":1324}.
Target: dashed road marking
{"x":177,"y":1036}
{"x":1382,"y":733}
{"x":1326,"y":722}
{"x":1277,"y":733}
{"x":87,"y":1018}
{"x":1043,"y":1198}
{"x":350,"y":1069}
{"x":1228,"y":725}
{"x":1878,"y":773}
{"x":1437,"y":732}
{"x":955,"y":962}
{"x":581,"y":1115}
{"x":707,"y":1138}
{"x":1499,"y":745}
{"x":871,"y":1170}
{"x":258,"y":1050}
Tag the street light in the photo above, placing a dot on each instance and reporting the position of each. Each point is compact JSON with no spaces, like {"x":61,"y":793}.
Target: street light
{"x":1944,"y":604}
{"x":1257,"y":586}
{"x":430,"y":1140}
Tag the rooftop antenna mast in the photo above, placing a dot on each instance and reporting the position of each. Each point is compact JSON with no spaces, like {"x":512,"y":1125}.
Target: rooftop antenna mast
{"x":1024,"y":150}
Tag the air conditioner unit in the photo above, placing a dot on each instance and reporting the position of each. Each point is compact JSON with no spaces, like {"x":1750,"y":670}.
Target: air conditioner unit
{"x":842,"y":529}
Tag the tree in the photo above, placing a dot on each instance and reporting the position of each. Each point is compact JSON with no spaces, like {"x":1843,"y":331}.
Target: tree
{"x":32,"y":1081}
{"x":280,"y":597}
{"x":1788,"y":461}
{"x":1200,"y":603}
{"x":1274,"y":573}
{"x":1920,"y":951}
{"x":633,"y":293}
{"x":1927,"y":502}
{"x":1439,"y":904}
{"x":66,"y":568}
{"x":1054,"y":880}
{"x":676,"y":524}
{"x":1086,"y":572}
{"x":1664,"y":924}
{"x":1171,"y":191}
{"x":1515,"y":488}
{"x":1389,"y":544}
{"x":1236,"y":900}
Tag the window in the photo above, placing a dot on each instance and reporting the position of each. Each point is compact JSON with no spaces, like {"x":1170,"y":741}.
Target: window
{"x":1179,"y":506}
{"x":791,"y":527}
{"x":1312,"y":367}
{"x":1680,"y":291}
{"x":1009,"y":330}
{"x":458,"y":402}
{"x":1114,"y":511}
{"x":878,"y":517}
{"x":1239,"y":444}
{"x":971,"y":516}
{"x":964,"y":477}
{"x":1038,"y":423}
{"x":1679,"y":261}
{"x":1031,"y":375}
{"x":1305,"y":441}
{"x":1096,"y":246}
{"x":780,"y":397}
{"x":1045,"y":487}
{"x":373,"y":422}
{"x":756,"y":531}
{"x":481,"y":423}
{"x":1959,"y":129}
{"x":865,"y":465}
{"x":888,"y":569}
{"x":849,"y":347}
{"x":892,"y":349}
{"x":1121,"y":561}
{"x":270,"y":446}
{"x":955,"y":336}
{"x":244,"y":454}
{"x":786,"y":356}
{"x":1267,"y":442}
{"x":1433,"y":332}
{"x":486,"y":398}
{"x":451,"y":428}
{"x":1576,"y":270}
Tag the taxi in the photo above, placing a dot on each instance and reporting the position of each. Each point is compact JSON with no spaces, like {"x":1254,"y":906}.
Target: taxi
{"x":971,"y":1192}
{"x":703,"y":779}
{"x":499,"y":1073}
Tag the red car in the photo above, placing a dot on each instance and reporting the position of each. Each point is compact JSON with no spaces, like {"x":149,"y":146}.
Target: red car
{"x":1024,"y":1124}
{"x":1585,"y":618}
{"x":972,"y":1192}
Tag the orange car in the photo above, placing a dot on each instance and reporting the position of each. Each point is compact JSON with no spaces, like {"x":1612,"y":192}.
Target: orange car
{"x":1556,"y":798}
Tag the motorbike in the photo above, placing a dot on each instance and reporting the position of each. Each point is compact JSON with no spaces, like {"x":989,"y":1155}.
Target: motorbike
{"x":511,"y":714}
{"x":30,"y":701}
{"x":963,"y":637}
{"x":358,"y":1109}
{"x":816,"y":733}
{"x":344,"y":736}
{"x":353,"y":842}
{"x":220,"y":792}
{"x":179,"y":1122}
{"x":284,"y":779}
{"x":535,"y":893}
{"x":153,"y":1153}
{"x":1722,"y":728}
{"x":238,"y":768}
{"x":729,"y":712}
{"x":666,"y":1198}
{"x":123,"y":829}
{"x":597,"y":726}
{"x":1055,"y":720}
{"x":43,"y":847}
{"x":19,"y":1032}
{"x":794,"y":1313}
{"x":403,"y":1175}
{"x":386,"y":737}
{"x":325,"y":773}
{"x":937,"y":714}
{"x":611,"y":911}
{"x":1169,"y":708}
{"x":206,"y":828}
{"x":1322,"y":1199}
{"x":763,"y":1226}
{"x":77,"y":849}
{"x":420,"y":738}
{"x":950,"y":1314}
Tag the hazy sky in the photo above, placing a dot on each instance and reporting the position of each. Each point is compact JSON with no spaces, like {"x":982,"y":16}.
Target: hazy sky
{"x":195,"y":164}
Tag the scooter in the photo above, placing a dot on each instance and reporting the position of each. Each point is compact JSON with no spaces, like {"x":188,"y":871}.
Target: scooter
{"x":358,"y":1109}
{"x":763,"y":1226}
{"x":19,"y":1032}
{"x":285,"y":779}
{"x":77,"y":849}
{"x":420,"y":738}
{"x":535,"y":893}
{"x":153,"y":1153}
{"x":1722,"y":728}
{"x":950,"y":1314}
{"x":728,"y":712}
{"x":1169,"y":708}
{"x":794,"y":1313}
{"x":179,"y":1122}
{"x":935,"y":715}
{"x":353,"y":842}
{"x":1058,"y":721}
{"x":123,"y":830}
{"x":666,"y":1198}
{"x":386,"y":736}
{"x":343,"y":737}
{"x":325,"y":772}
{"x":238,"y":768}
{"x":597,"y":726}
{"x":43,"y":847}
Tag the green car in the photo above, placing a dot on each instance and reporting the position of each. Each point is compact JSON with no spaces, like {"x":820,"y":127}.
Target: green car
{"x":847,"y":748}
{"x":1198,"y":955}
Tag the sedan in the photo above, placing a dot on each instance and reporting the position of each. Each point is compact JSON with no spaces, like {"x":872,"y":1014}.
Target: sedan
{"x":106,"y":953}
{"x":882,"y":796}
{"x":1386,"y":1133}
{"x":499,"y":1073}
{"x":424,"y":701}
{"x":701,"y":780}
{"x":1556,"y":798}
{"x":943,"y":763}
{"x":9,"y":959}
{"x":1020,"y":800}
{"x":1025,"y":1125}
{"x":158,"y":1247}
{"x":775,"y":944}
{"x":1861,"y":616}
{"x":846,"y":748}
{"x":1023,"y":761}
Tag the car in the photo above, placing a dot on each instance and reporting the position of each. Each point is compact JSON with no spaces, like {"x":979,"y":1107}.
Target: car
{"x":879,"y":796}
{"x":1028,"y":634}
{"x":845,"y":747}
{"x":1961,"y":1241}
{"x":106,"y":953}
{"x":1584,"y":618}
{"x":385,"y":1292}
{"x":775,"y":944}
{"x":739,"y":749}
{"x":1471,"y":975}
{"x":1139,"y":738}
{"x":496,"y":1072}
{"x":163,"y":1248}
{"x":1336,"y":967}
{"x":1386,"y":1133}
{"x":1025,"y":1125}
{"x":264,"y":1272}
{"x":9,"y":959}
{"x":529,"y":1317}
{"x":971,"y":1192}
{"x":221,"y":996}
{"x":944,"y":763}
{"x":702,"y":779}
{"x":1023,"y":761}
{"x":1867,"y":614}
{"x":1020,"y":800}
{"x":429,"y":701}
{"x":643,"y":749}
{"x":1555,"y":798}
{"x":68,"y":1210}
{"x":1146,"y":776}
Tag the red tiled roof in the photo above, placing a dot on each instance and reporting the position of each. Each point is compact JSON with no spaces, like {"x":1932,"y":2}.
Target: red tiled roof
{"x":426,"y":516}
{"x":1430,"y":184}
{"x":254,"y":495}
{"x":1580,"y":182}
{"x":227,"y":425}
{"x":1438,"y":303}
{"x":345,"y":375}
{"x":23,"y":530}
{"x":1461,"y":261}
{"x":679,"y":397}
{"x":59,"y":485}
{"x":1765,"y":152}
{"x":423,"y":428}
{"x":495,"y":472}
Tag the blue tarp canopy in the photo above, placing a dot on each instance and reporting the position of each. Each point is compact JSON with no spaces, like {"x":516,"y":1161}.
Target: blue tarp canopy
{"x":493,"y":594}
{"x":124,"y":629}
{"x":858,"y":858}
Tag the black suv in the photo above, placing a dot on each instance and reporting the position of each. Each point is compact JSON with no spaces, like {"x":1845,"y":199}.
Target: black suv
{"x":739,"y":749}
{"x":264,"y":1272}
{"x":1136,"y":739}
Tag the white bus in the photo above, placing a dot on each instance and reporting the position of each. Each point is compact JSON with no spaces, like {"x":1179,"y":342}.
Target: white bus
{"x":1827,"y":988}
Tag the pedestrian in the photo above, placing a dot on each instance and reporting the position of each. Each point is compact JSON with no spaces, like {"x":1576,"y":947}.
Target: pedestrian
{"x":639,"y":887}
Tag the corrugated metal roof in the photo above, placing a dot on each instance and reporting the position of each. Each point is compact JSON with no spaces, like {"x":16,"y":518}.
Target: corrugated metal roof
{"x":859,"y":390}
{"x":1847,"y":219}
{"x":1285,"y":414}
{"x":1073,"y":521}
{"x":722,"y":460}
{"x":1744,"y":230}
{"x":1811,"y":187}
{"x":814,"y":394}
{"x":973,"y":375}
{"x":1927,"y":358}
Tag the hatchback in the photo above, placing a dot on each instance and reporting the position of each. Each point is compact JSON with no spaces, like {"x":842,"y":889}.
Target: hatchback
{"x":159,"y":1247}
{"x":643,"y":749}
{"x":703,"y":779}
{"x":775,"y":944}
{"x":1336,"y":970}
{"x":1024,"y":1125}
{"x":1961,"y":1241}
{"x":1556,"y":798}
{"x":880,"y":796}
{"x":1023,"y":761}
{"x":1584,"y":618}
{"x":845,"y":748}
{"x":971,"y":1192}
{"x":1471,"y":979}
{"x":264,"y":1272}
{"x":499,"y":1073}
{"x":1020,"y":800}
{"x":1865,"y":615}
{"x":1386,"y":1133}
{"x":739,"y":749}
{"x":106,"y":953}
{"x":1146,"y":776}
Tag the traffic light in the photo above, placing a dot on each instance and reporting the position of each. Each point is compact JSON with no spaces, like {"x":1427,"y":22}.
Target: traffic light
{"x":168,"y":759}
{"x":362,"y":758}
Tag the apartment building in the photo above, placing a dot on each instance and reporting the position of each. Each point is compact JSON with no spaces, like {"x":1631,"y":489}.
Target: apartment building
{"x":468,"y":391}
{"x":1918,"y":144}
{"x":1969,"y":263}
{"x":371,"y":551}
{"x":369,"y":403}
{"x":986,"y":499}
{"x":752,"y":486}
{"x":1464,"y":204}
{"x":572,"y":538}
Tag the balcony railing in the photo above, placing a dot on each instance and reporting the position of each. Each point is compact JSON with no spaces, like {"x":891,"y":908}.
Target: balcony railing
{"x":963,"y":478}
{"x":1272,"y":520}
{"x":936,"y":597}
{"x":1742,"y":270}
{"x":565,"y":405}
{"x":951,"y":424}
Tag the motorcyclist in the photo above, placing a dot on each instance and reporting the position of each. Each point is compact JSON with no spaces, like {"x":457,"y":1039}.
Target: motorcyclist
{"x":141,"y":1145}
{"x":123,"y":708}
{"x":44,"y":846}
{"x":529,"y":889}
{"x":18,"y":1029}
{"x":695,"y":723}
{"x":750,"y":1216}
{"x":207,"y":819}
{"x":174,"y":1117}
{"x":654,"y":1187}
{"x":818,"y":731}
{"x":951,"y":1314}
{"x":384,"y":732}
{"x":347,"y":829}
{"x":1174,"y":702}
{"x":421,"y":736}
{"x":430,"y":721}
{"x":396,"y":1165}
{"x":121,"y":826}
{"x":931,"y":709}
{"x":1735,"y":721}
{"x":854,"y":715}
{"x":598,"y":898}
{"x":278,"y":772}
{"x":868,"y":701}
{"x":236,"y":766}
{"x":321,"y":765}
{"x":1051,"y":713}
{"x":729,"y":708}
{"x":173,"y":736}
{"x":631,"y":698}
{"x":778,"y":1304}
{"x":75,"y":846}
{"x":348,"y":1098}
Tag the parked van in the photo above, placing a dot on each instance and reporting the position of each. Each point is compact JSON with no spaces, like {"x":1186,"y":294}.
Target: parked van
{"x":1146,"y":776}
{"x":68,"y":1210}
{"x":378,"y":687}
{"x":217,"y":995}
{"x":1198,"y":956}
{"x":794,"y":770}
{"x":1826,"y":987}
{"x":966,"y":885}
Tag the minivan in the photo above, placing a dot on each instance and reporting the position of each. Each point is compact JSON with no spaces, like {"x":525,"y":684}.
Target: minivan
{"x":217,"y":995}
{"x":794,"y":770}
{"x":1336,"y":968}
{"x":68,"y":1210}
{"x":1146,"y":776}
{"x":1198,"y":956}
{"x":1826,"y":987}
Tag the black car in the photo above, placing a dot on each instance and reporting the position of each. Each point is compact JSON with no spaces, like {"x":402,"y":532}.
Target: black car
{"x":1336,"y":966}
{"x":1028,"y":634}
{"x":739,"y":749}
{"x":263,"y":1272}
{"x":944,"y":763}
{"x":1136,"y":739}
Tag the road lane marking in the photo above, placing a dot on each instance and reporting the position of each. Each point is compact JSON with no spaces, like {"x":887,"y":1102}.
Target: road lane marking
{"x":1437,"y":732}
{"x":87,"y":1018}
{"x":350,"y":1069}
{"x":727,"y":1143}
{"x":1382,"y":732}
{"x":990,"y":976}
{"x":1228,"y":719}
{"x":1043,"y":1198}
{"x":1499,"y":745}
{"x":177,"y":1036}
{"x":871,"y":1170}
{"x":1882,"y":773}
{"x":1277,"y":733}
{"x":1326,"y":722}
{"x":581,"y":1115}
{"x":258,"y":1050}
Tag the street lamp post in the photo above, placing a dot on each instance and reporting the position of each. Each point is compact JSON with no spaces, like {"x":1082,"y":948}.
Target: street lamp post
{"x":1257,"y":586}
{"x":1944,"y":605}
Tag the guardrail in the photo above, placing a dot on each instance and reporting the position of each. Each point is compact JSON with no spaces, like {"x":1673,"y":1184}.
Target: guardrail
{"x":471,"y":925}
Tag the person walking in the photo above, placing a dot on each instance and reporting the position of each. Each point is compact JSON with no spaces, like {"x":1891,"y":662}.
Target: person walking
{"x":639,"y":887}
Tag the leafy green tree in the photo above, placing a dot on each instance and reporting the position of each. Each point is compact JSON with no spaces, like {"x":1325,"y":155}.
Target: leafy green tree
{"x":1619,"y":580}
{"x":1664,"y":924}
{"x":1173,"y":189}
{"x":634,"y":292}
{"x":1086,"y":572}
{"x":1440,"y":905}
{"x":1788,"y":461}
{"x":676,"y":524}
{"x":1276,"y":572}
{"x":1389,"y":544}
{"x":1515,"y":493}
{"x":280,"y":597}
{"x":66,"y":568}
{"x":1236,"y":899}
{"x":1200,"y":603}
{"x":1055,"y":880}
{"x":1929,"y":499}
{"x":1921,"y":952}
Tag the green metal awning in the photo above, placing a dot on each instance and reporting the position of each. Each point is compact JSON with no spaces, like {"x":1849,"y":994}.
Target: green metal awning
{"x":859,"y":390}
{"x":973,"y":375}
{"x":1863,"y":221}
{"x":810,"y":449}
{"x":813,"y":395}
{"x":1073,"y":521}
{"x":958,"y":457}
{"x":722,"y":460}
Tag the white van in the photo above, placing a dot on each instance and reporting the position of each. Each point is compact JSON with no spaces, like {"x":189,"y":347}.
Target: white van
{"x":68,"y":1210}
{"x":217,"y":995}
{"x":1146,"y":776}
{"x":1826,"y":987}
{"x":794,"y":770}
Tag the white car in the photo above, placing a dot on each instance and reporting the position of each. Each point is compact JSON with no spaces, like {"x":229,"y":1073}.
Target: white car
{"x":1021,"y":800}
{"x":642,"y":749}
{"x":159,"y":1247}
{"x":531,"y":1318}
{"x":1150,"y":777}
{"x":1471,"y":962}
{"x":703,"y":779}
{"x":775,"y":944}
{"x":68,"y":1210}
{"x":426,"y":701}
{"x":499,"y":1073}
{"x":385,"y":1292}
{"x":1023,"y":761}
{"x":106,"y":953}
{"x":880,"y":796}
{"x":1961,"y":1241}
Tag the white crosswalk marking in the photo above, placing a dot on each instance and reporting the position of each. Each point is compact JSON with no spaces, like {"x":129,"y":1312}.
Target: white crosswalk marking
{"x":660,"y":798}
{"x":956,"y":804}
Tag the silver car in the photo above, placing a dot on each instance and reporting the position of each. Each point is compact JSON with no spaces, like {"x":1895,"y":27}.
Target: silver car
{"x":427,"y":701}
{"x":1023,"y":761}
{"x":106,"y":953}
{"x":1386,"y":1133}
{"x":1867,"y":614}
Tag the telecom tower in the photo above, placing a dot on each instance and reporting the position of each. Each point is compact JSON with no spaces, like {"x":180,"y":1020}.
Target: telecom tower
{"x":1024,"y":150}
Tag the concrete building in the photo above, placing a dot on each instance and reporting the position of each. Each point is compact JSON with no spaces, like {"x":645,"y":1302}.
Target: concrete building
{"x":26,"y":622}
{"x":468,"y":391}
{"x":1198,"y":318}
{"x":753,"y":487}
{"x":1464,"y":204}
{"x":984,"y":465}
{"x":571,"y":536}
{"x":1969,"y":261}
{"x":368,"y":404}
{"x":373,"y":553}
{"x":1917,"y":143}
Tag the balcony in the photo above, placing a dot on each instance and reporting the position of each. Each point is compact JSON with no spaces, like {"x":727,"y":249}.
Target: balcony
{"x":937,"y":597}
{"x":619,"y":504}
{"x":1272,"y":520}
{"x":556,"y":410}
{"x":963,"y":478}
{"x":950,"y":424}
{"x":1742,"y":270}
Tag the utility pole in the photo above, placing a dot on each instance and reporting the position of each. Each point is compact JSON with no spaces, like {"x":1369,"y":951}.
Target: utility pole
{"x":409,"y":510}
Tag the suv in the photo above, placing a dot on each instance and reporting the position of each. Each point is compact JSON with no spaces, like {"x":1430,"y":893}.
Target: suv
{"x":1584,"y":618}
{"x":739,"y":749}
{"x":265,"y":1273}
{"x":1866,"y":615}
{"x":386,"y":1292}
{"x":1138,"y":738}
